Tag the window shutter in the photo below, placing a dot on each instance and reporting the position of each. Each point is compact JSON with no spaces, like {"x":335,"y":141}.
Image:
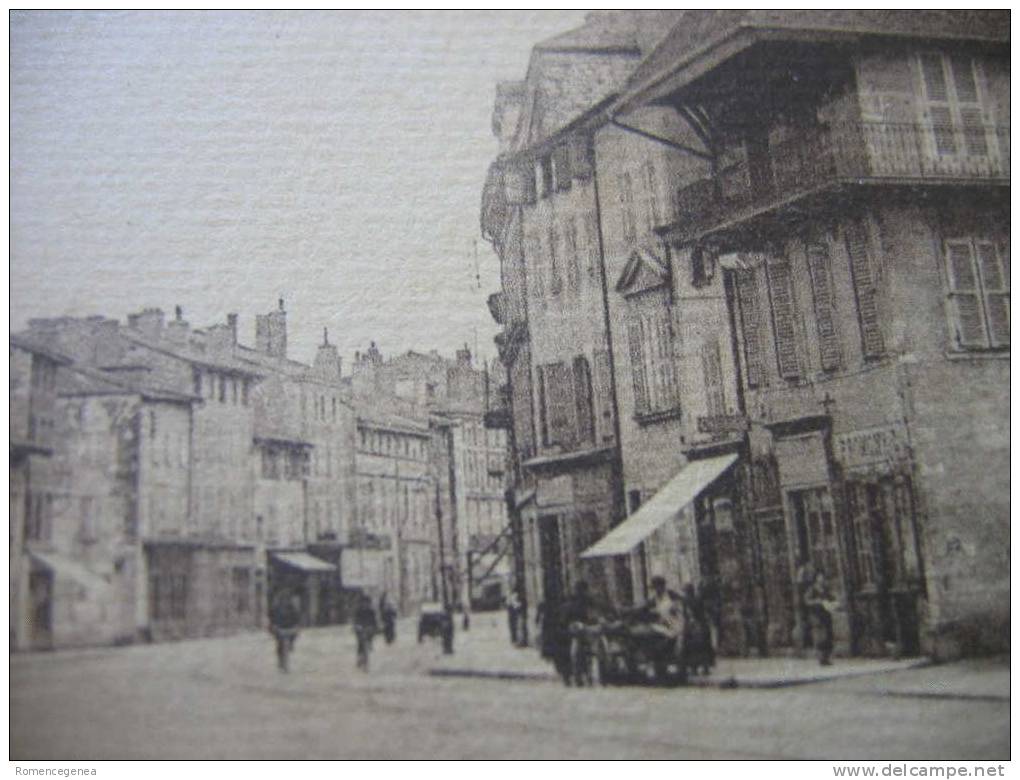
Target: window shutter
{"x":561,"y":167}
{"x":781,"y":290}
{"x":938,"y":103}
{"x":825,"y":305}
{"x":974,"y":139}
{"x":750,"y":322}
{"x":872,"y":342}
{"x":637,"y":367}
{"x":711,"y":365}
{"x":583,"y":401}
{"x":603,"y":395}
{"x":970,"y":330}
{"x":963,"y":79}
{"x":995,"y":281}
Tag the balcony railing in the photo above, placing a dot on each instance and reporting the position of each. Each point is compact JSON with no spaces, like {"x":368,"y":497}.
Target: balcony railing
{"x":858,"y":151}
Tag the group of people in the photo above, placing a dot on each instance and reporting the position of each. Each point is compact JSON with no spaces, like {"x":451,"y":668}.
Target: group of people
{"x":285,"y":623}
{"x":687,"y":623}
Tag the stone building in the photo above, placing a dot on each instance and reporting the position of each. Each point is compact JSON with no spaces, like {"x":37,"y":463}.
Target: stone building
{"x":541,"y":211}
{"x":805,"y":242}
{"x":33,"y":435}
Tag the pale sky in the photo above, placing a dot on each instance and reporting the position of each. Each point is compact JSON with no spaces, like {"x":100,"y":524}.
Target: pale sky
{"x":221,"y":160}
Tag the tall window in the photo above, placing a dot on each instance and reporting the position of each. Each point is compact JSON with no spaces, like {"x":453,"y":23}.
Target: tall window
{"x":555,"y":272}
{"x":865,"y":290}
{"x":603,"y":393}
{"x":954,"y":108}
{"x":572,"y":255}
{"x":627,"y":207}
{"x":652,"y":211}
{"x":978,"y":275}
{"x":711,"y":363}
{"x":653,"y":369}
{"x":783,"y":317}
{"x":820,"y":271}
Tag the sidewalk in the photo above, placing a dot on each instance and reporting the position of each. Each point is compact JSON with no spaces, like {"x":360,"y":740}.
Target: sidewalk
{"x":485,"y":652}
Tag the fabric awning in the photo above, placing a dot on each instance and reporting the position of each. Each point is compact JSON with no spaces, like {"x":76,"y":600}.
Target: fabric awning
{"x":663,"y":506}
{"x":66,"y":568}
{"x":302,"y":561}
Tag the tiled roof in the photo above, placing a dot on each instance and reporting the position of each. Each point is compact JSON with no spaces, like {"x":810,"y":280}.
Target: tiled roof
{"x":31,"y":343}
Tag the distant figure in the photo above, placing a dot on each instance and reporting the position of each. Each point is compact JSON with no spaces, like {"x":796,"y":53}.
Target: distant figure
{"x":710,"y":596}
{"x":365,"y":627}
{"x":805,"y":577}
{"x":513,"y":611}
{"x":820,"y":604}
{"x":388,"y":615}
{"x":284,"y":620}
{"x":447,"y":630}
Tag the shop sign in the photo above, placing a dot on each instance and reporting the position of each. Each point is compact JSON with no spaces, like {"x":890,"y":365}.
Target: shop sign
{"x":872,"y":445}
{"x":723,"y":423}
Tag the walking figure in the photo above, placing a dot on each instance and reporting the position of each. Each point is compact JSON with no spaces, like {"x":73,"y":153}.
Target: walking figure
{"x":284,"y":619}
{"x":364,"y":630}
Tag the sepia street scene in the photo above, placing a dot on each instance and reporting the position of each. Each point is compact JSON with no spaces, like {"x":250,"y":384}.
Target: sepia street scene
{"x":510,"y":385}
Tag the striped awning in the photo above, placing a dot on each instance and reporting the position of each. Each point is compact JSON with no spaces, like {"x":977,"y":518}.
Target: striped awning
{"x":662,"y":507}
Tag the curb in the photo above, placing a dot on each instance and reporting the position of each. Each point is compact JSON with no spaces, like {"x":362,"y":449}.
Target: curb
{"x":722,"y":683}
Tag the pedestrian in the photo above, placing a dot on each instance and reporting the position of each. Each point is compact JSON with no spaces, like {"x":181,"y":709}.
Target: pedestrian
{"x":820,"y":604}
{"x":699,"y":650}
{"x":365,"y":627}
{"x":388,"y":615}
{"x":513,"y":609}
{"x":447,"y":630}
{"x":710,"y":596}
{"x":284,"y":619}
{"x":804,"y":579}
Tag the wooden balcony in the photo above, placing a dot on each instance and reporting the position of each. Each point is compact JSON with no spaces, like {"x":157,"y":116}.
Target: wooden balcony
{"x":814,"y":159}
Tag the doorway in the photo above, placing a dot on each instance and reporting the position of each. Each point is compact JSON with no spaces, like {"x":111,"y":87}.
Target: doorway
{"x":551,"y":551}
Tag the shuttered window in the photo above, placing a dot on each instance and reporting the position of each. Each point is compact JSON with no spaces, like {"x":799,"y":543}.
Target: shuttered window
{"x":954,"y":107}
{"x":865,"y":290}
{"x":750,"y":326}
{"x":653,"y":365}
{"x":978,"y":276}
{"x":820,"y":271}
{"x":783,"y":317}
{"x":583,"y":402}
{"x":557,"y":400}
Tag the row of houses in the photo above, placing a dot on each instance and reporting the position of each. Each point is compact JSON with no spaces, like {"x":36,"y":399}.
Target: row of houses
{"x":168,"y":481}
{"x":755,"y":314}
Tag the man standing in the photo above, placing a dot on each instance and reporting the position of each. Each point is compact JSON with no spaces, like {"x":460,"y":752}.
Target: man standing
{"x":820,"y":604}
{"x":284,"y":619}
{"x":513,"y":609}
{"x":364,"y":629}
{"x":805,"y":577}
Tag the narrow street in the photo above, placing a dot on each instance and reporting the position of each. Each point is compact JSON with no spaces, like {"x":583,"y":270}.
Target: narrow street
{"x":223,"y":698}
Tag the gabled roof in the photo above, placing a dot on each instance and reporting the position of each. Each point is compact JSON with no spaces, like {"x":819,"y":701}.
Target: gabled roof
{"x":700,"y":34}
{"x":83,"y":380}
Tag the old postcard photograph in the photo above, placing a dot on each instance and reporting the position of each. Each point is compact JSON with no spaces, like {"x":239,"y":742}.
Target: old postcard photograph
{"x":511,"y":385}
